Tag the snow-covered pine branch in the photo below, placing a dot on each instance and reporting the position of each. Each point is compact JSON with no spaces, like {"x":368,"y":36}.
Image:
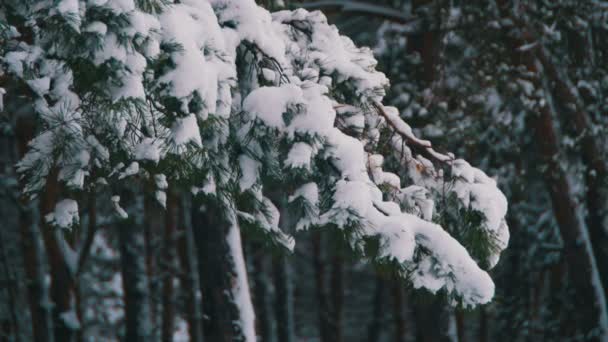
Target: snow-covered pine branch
{"x":239,"y":104}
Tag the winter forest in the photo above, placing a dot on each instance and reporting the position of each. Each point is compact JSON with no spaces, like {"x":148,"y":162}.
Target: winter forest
{"x":323,"y":170}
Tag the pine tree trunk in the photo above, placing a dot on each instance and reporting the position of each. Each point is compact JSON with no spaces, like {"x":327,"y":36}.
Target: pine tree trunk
{"x":377,"y":317}
{"x":261,"y":296}
{"x":398,"y":319}
{"x":11,"y":325}
{"x":218,"y":259}
{"x":33,"y":251}
{"x":169,"y":258}
{"x":191,"y":279}
{"x":152,"y":230}
{"x":323,"y":307}
{"x":483,"y":325}
{"x":138,"y":325}
{"x":337,"y":293}
{"x":283,"y":285}
{"x":430,"y":319}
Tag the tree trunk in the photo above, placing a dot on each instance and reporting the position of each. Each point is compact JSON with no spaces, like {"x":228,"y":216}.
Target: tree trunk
{"x":223,"y":284}
{"x":374,"y":332}
{"x":62,"y":285}
{"x":398,"y":319}
{"x":337,"y":292}
{"x":138,"y":326}
{"x":169,"y":259}
{"x":261,"y":296}
{"x":33,"y":251}
{"x":191,"y":279}
{"x":318,"y":263}
{"x":283,"y":285}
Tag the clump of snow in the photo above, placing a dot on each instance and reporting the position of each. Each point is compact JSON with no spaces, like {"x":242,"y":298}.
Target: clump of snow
{"x":148,"y":149}
{"x":65,"y":214}
{"x":185,"y":130}
{"x":119,"y":210}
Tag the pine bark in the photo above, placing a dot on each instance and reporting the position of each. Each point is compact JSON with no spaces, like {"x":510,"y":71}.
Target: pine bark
{"x":321,"y":293}
{"x":169,"y":258}
{"x":190,"y":279}
{"x":138,"y":325}
{"x":261,"y":295}
{"x":398,"y":319}
{"x":217,"y":271}
{"x":377,"y":317}
{"x":337,"y":292}
{"x":33,"y":251}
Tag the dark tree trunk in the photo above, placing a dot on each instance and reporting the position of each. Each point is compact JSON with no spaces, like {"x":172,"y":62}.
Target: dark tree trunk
{"x":323,"y":307}
{"x":284,"y":298}
{"x":483,"y":325}
{"x":191,"y":281}
{"x":398,"y":319}
{"x":138,"y":325}
{"x":169,"y":258}
{"x":337,"y":292}
{"x":261,"y":296}
{"x":217,"y":271}
{"x":11,"y":325}
{"x":33,"y":251}
{"x":374,"y":332}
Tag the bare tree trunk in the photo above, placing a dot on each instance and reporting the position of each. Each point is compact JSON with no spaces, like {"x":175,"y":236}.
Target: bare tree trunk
{"x":324,"y":324}
{"x":169,"y":258}
{"x":261,"y":296}
{"x":483,"y":325}
{"x":138,"y":325}
{"x":219,"y":274}
{"x":374,"y":332}
{"x":33,"y":251}
{"x":12,"y":325}
{"x":152,"y":230}
{"x":398,"y":319}
{"x":337,"y":292}
{"x":283,"y":285}
{"x":191,"y":279}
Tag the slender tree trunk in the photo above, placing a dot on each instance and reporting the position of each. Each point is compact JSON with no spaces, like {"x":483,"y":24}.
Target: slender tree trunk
{"x":261,"y":296}
{"x":398,"y":319}
{"x":191,"y":279}
{"x":33,"y":250}
{"x":152,"y":230}
{"x":12,"y":324}
{"x":337,"y":292}
{"x":223,"y":284}
{"x":169,"y":258}
{"x":138,"y":326}
{"x":283,"y":285}
{"x":459,"y":316}
{"x":318,"y":263}
{"x":374,"y":332}
{"x":483,"y":325}
{"x":430,"y":319}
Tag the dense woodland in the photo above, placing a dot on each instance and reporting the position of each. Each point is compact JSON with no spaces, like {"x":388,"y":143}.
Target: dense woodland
{"x":333,"y":170}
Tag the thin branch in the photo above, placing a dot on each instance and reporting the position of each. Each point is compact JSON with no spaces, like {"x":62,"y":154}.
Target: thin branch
{"x":423,"y":146}
{"x":351,"y":7}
